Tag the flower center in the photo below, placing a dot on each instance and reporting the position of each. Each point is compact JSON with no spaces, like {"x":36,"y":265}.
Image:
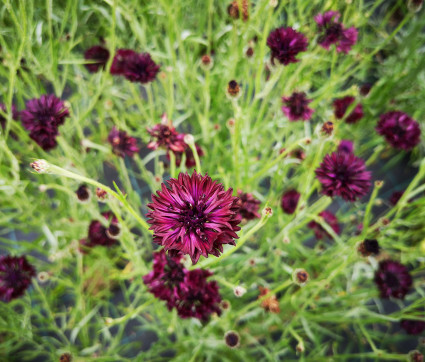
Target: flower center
{"x":391,"y":280}
{"x":193,"y":217}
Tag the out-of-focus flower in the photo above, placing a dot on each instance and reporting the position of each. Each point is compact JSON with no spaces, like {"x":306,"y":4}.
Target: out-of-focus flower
{"x":330,"y":219}
{"x":369,"y":247}
{"x":340,"y":108}
{"x":167,"y":137}
{"x":99,"y":54}
{"x":249,"y":206}
{"x":393,"y":279}
{"x":395,"y":197}
{"x":399,"y":130}
{"x":194,"y":215}
{"x":346,"y":146}
{"x":289,"y":201}
{"x":285,"y":44}
{"x":412,"y":326}
{"x":296,"y":107}
{"x":122,"y":144}
{"x":97,"y":233}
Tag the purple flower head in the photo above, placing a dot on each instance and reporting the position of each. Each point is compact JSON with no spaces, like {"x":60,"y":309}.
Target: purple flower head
{"x":166,"y":137}
{"x":134,"y":66}
{"x":249,"y":206}
{"x":15,"y":276}
{"x":42,"y":117}
{"x":395,"y":197}
{"x":165,"y":278}
{"x":399,"y":130}
{"x":187,"y":291}
{"x":340,"y":108}
{"x":289,"y":201}
{"x":296,"y":107}
{"x":319,"y":231}
{"x":194,"y":215}
{"x":190,"y":159}
{"x":122,"y":143}
{"x":412,"y":326}
{"x":15,"y":115}
{"x":98,"y":233}
{"x":346,"y":146}
{"x":343,"y":174}
{"x":333,"y":32}
{"x":393,"y":279}
{"x":198,"y":298}
{"x":285,"y":44}
{"x":98,"y":53}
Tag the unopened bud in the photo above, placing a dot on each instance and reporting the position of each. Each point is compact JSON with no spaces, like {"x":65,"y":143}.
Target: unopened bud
{"x":65,"y":357}
{"x":83,"y":193}
{"x":300,"y":277}
{"x":233,"y":90}
{"x":239,"y":291}
{"x":40,"y":166}
{"x":101,"y":194}
{"x":189,"y":139}
{"x":43,"y":277}
{"x":379,"y":184}
{"x":232,"y":339}
{"x":267,"y":211}
{"x":206,"y":62}
{"x":415,"y":5}
{"x":327,"y":128}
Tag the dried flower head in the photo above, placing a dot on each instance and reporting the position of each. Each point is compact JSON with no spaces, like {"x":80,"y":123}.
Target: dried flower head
{"x":194,"y":215}
{"x":99,"y":54}
{"x":369,"y":247}
{"x":232,"y":339}
{"x":122,"y":144}
{"x":249,"y":206}
{"x":399,"y":130}
{"x":333,"y":32}
{"x":42,"y":118}
{"x":66,"y":357}
{"x":300,"y":277}
{"x":289,"y":201}
{"x":83,"y":193}
{"x":233,"y":89}
{"x":285,"y":44}
{"x":343,"y":174}
{"x":393,"y":279}
{"x":270,"y":304}
{"x":134,"y":66}
{"x":296,"y":107}
{"x":340,"y":108}
{"x":328,"y":128}
{"x":101,"y":194}
{"x":330,"y":219}
{"x":15,"y":276}
{"x":233,"y":9}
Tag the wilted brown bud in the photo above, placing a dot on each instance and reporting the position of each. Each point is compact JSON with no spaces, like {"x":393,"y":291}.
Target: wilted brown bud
{"x":270,"y":304}
{"x":233,"y":89}
{"x":328,"y":128}
{"x":101,"y":194}
{"x":233,"y":9}
{"x":300,"y":277}
{"x":66,"y":357}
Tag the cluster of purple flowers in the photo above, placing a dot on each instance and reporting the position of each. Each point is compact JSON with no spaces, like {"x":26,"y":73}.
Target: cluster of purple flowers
{"x":188,"y":291}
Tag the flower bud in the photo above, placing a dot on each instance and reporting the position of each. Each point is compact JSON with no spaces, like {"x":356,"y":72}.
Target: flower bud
{"x":40,"y":166}
{"x":206,"y":62}
{"x":233,"y":90}
{"x":232,"y":339}
{"x":267,"y":212}
{"x":65,"y":357}
{"x":415,"y":5}
{"x":416,"y":356}
{"x":43,"y":277}
{"x":369,"y":247}
{"x":300,"y":277}
{"x":101,"y":194}
{"x":239,"y":291}
{"x":113,"y":231}
{"x":327,"y":128}
{"x":83,"y":193}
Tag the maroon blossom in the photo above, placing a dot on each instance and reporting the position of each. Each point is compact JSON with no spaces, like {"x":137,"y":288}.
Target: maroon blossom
{"x":194,"y":215}
{"x":186,"y":291}
{"x":399,"y":130}
{"x":393,"y":279}
{"x":190,"y":159}
{"x":249,"y":206}
{"x":296,"y":107}
{"x":42,"y":117}
{"x":343,"y":174}
{"x":98,"y":233}
{"x":122,"y":144}
{"x":319,"y":231}
{"x":165,"y":136}
{"x":395,"y":197}
{"x":134,"y":66}
{"x":15,"y":276}
{"x":346,"y":146}
{"x":340,"y":108}
{"x":99,"y":54}
{"x":289,"y":201}
{"x":412,"y":326}
{"x":285,"y":44}
{"x":333,"y":32}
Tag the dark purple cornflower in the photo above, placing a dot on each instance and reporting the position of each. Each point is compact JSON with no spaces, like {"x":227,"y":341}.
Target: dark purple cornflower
{"x":289,"y":201}
{"x":333,"y":32}
{"x":343,"y":174}
{"x":399,"y":130}
{"x":98,"y":53}
{"x":122,"y":143}
{"x":190,"y":159}
{"x":296,"y":107}
{"x":249,"y":206}
{"x":134,"y":66}
{"x":340,"y":108}
{"x":194,"y":215}
{"x":15,"y":276}
{"x":285,"y":44}
{"x":346,"y":146}
{"x":186,"y":291}
{"x":319,"y":231}
{"x":395,"y":197}
{"x":15,"y":115}
{"x":198,"y":298}
{"x":165,"y":278}
{"x":98,"y":233}
{"x":42,"y":117}
{"x":393,"y":279}
{"x":412,"y":326}
{"x":167,"y":137}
